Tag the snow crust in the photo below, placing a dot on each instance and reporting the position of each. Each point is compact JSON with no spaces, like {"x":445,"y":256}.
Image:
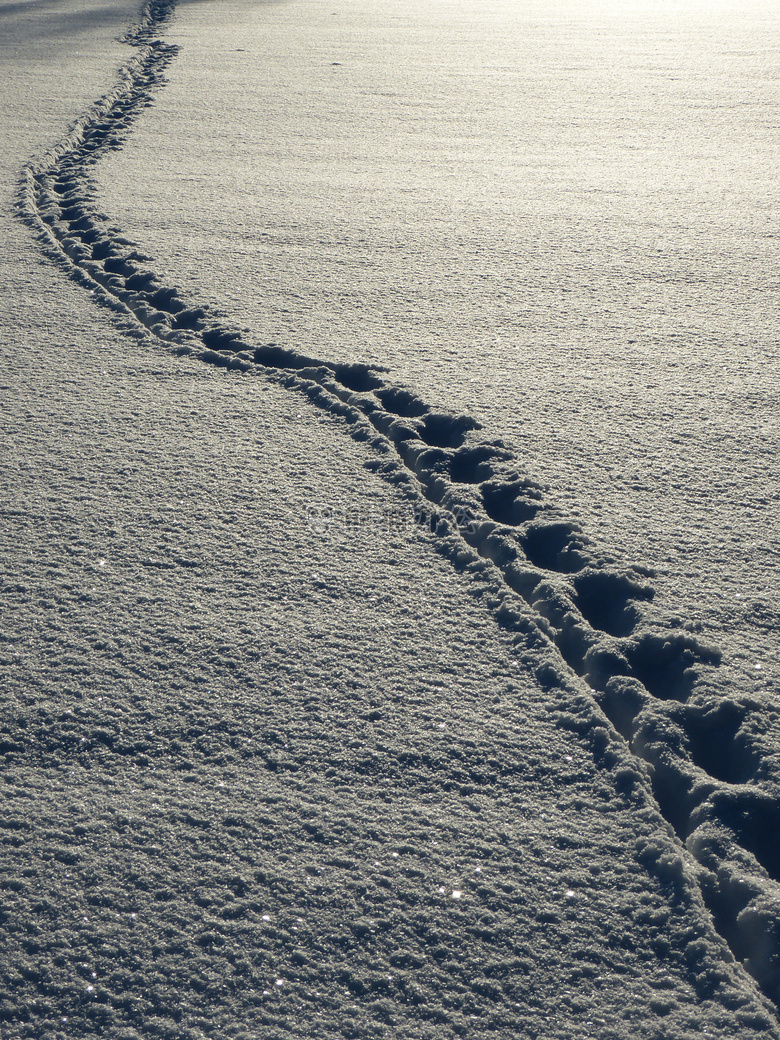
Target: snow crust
{"x":259,"y":710}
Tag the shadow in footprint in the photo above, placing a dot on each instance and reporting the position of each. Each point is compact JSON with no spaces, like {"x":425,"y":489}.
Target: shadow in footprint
{"x":473,"y":465}
{"x":442,"y":430}
{"x":278,"y":357}
{"x":357,"y":377}
{"x":401,"y":402}
{"x":102,"y":249}
{"x":91,"y":236}
{"x":191,"y":319}
{"x":63,"y":185}
{"x":71,"y":213}
{"x":752,"y":932}
{"x":167,"y":300}
{"x":142,"y":281}
{"x":715,"y":744}
{"x":664,"y":664}
{"x":754,"y":819}
{"x":510,"y":503}
{"x":119,"y":265}
{"x":554,"y":547}
{"x":220,"y":338}
{"x":605,"y":600}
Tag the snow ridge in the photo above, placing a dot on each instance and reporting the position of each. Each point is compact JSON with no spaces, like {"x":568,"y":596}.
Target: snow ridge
{"x":574,"y":617}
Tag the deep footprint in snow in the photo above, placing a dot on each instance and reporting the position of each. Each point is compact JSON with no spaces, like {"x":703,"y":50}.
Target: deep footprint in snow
{"x":475,"y":464}
{"x":717,"y":744}
{"x":511,"y":502}
{"x":608,"y":601}
{"x":401,"y":402}
{"x":555,"y":547}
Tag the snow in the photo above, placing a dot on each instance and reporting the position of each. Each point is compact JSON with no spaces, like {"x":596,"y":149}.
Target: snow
{"x":240,"y":714}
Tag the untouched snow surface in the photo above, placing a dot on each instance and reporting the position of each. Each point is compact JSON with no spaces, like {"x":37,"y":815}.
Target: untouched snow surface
{"x":332,"y":704}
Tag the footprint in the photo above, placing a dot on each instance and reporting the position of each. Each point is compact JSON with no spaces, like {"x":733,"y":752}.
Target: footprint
{"x":217,"y":337}
{"x":472,"y":465}
{"x":401,"y":402}
{"x":143,"y":281}
{"x":754,"y":819}
{"x":443,"y":430}
{"x":279,"y":357}
{"x":604,"y":599}
{"x":555,"y":547}
{"x":189,"y":319}
{"x":119,"y":265}
{"x":715,"y":743}
{"x":103,"y":248}
{"x":510,"y":502}
{"x":664,"y":664}
{"x":357,"y":377}
{"x":167,"y":300}
{"x":91,"y":236}
{"x":430,"y":463}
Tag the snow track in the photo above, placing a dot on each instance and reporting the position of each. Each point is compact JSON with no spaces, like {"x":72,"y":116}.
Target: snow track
{"x":576,"y":618}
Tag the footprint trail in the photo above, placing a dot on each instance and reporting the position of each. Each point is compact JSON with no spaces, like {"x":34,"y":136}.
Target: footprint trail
{"x":575,"y":618}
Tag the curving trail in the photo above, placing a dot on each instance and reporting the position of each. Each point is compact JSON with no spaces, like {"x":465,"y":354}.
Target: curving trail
{"x":577,"y":618}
